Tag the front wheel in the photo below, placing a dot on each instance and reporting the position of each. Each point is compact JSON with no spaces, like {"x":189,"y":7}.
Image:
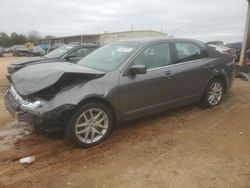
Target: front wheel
{"x":213,"y":93}
{"x":90,"y":125}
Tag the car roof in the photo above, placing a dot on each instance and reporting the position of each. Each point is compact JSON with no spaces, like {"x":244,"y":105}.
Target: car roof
{"x":84,"y":45}
{"x":156,"y":39}
{"x":161,"y":39}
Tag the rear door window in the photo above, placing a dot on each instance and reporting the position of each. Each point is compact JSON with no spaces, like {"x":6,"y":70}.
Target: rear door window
{"x":189,"y":52}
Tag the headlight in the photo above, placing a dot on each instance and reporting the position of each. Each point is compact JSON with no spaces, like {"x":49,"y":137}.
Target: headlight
{"x":32,"y":105}
{"x":24,"y":103}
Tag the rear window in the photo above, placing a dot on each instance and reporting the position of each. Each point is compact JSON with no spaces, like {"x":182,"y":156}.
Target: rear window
{"x":189,"y":52}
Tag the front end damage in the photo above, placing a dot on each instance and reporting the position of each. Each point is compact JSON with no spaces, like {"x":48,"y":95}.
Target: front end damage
{"x":36,"y":112}
{"x":43,"y":95}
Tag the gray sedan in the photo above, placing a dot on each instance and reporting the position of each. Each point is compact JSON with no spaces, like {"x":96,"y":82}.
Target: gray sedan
{"x":118,"y":82}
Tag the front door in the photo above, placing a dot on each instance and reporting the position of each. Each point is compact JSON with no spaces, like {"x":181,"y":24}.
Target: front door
{"x":145,"y":93}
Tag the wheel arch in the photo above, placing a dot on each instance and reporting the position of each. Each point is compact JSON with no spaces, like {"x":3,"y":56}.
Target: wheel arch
{"x":218,"y":75}
{"x":99,"y":100}
{"x":70,"y":126}
{"x":223,"y":77}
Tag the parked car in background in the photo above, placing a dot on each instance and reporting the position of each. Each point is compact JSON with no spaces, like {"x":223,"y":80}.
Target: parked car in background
{"x":1,"y":51}
{"x":74,"y":43}
{"x":36,"y":51}
{"x":45,"y":47}
{"x":223,"y":49}
{"x":219,"y":46}
{"x":54,"y":46}
{"x":6,"y":50}
{"x":217,"y":43}
{"x":118,"y":82}
{"x":11,"y":49}
{"x":66,"y":53}
{"x":19,"y":50}
{"x":237,"y":47}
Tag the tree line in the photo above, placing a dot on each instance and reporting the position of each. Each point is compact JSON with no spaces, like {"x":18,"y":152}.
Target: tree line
{"x":19,"y":39}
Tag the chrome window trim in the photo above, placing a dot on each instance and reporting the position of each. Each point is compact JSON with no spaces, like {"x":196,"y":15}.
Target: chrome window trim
{"x":137,"y":52}
{"x":175,"y":64}
{"x":157,"y":68}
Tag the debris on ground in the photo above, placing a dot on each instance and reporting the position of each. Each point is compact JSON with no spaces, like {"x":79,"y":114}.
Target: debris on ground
{"x":27,"y":160}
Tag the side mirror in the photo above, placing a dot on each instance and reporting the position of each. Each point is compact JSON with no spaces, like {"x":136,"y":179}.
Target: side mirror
{"x":137,"y":69}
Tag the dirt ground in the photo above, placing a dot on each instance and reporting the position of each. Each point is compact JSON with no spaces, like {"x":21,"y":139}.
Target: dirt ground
{"x":187,"y":147}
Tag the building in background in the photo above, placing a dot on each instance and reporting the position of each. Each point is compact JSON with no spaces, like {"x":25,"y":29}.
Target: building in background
{"x":246,"y":40}
{"x":102,"y":38}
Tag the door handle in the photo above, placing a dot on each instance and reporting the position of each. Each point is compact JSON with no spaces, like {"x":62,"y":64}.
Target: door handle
{"x":168,"y":75}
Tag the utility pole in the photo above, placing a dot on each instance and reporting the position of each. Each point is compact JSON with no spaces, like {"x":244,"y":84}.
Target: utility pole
{"x":246,"y":38}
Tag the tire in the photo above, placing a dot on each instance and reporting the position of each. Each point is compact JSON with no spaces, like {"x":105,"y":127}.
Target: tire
{"x":213,"y":94}
{"x":90,"y":125}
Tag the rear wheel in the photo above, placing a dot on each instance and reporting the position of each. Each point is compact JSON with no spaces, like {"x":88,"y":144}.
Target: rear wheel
{"x":213,"y":94}
{"x":90,"y":125}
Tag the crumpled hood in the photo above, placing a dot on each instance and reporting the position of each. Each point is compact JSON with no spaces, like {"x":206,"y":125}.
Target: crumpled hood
{"x":35,"y":78}
{"x":33,"y":60}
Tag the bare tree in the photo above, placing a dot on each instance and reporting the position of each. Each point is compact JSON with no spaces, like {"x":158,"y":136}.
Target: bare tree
{"x":49,"y":37}
{"x":4,"y":40}
{"x":33,"y":36}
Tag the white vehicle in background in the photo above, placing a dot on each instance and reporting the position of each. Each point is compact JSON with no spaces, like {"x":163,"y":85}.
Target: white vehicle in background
{"x":223,"y":49}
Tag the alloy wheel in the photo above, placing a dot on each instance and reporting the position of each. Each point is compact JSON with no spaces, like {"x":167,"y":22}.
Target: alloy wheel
{"x":91,"y":125}
{"x":215,"y":93}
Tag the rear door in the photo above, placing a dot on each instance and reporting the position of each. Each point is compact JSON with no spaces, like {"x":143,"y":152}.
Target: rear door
{"x":193,"y":70}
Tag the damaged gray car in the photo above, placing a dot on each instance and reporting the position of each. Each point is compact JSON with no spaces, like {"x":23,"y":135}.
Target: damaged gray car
{"x":118,"y":82}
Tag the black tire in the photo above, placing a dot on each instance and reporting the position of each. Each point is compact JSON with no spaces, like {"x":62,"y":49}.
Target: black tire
{"x":205,"y":97}
{"x":70,"y":129}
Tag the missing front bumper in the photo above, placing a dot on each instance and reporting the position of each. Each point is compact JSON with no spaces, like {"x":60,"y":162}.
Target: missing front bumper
{"x":25,"y":112}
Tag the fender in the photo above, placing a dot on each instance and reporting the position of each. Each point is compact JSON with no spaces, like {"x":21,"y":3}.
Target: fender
{"x":219,"y":73}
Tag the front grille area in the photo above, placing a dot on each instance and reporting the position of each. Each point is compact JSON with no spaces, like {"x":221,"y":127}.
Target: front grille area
{"x":10,"y":103}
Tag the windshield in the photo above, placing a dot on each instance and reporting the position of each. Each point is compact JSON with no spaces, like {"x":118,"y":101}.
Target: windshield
{"x":58,"y":52}
{"x":109,"y":57}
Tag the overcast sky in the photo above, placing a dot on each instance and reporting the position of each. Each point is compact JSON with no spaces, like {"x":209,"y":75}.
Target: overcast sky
{"x":200,"y":19}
